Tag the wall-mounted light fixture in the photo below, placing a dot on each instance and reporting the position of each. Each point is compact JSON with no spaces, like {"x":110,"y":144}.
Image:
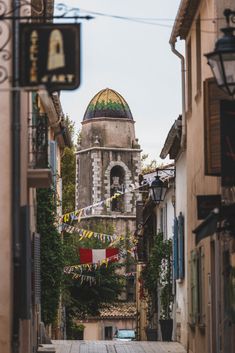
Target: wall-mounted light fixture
{"x":158,"y":188}
{"x":222,"y":59}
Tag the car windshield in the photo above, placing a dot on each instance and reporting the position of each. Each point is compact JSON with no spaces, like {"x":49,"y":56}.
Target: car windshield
{"x":126,"y":334}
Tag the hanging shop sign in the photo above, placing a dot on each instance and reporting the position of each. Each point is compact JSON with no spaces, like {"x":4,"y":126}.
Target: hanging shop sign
{"x":50,"y":56}
{"x":227,"y":128}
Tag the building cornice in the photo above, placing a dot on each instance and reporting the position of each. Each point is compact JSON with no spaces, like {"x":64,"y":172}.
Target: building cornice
{"x":113,"y":216}
{"x":88,"y":121}
{"x":109,"y":149}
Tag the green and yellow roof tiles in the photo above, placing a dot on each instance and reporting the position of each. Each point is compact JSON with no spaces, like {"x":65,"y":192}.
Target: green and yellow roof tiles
{"x":108,"y":103}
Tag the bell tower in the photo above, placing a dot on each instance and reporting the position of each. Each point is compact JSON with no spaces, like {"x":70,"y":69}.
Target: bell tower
{"x":108,"y":162}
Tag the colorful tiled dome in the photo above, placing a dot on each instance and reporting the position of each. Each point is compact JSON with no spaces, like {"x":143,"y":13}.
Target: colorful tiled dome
{"x":108,"y":103}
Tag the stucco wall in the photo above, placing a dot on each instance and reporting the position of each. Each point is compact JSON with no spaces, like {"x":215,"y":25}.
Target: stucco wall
{"x":197,"y":182}
{"x":96,"y":330}
{"x":110,"y":133}
{"x":92,"y":331}
{"x":181,"y":300}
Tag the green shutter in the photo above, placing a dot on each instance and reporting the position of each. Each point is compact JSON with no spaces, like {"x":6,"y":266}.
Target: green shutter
{"x":194,"y":287}
{"x":181,"y":245}
{"x":175,"y":251}
{"x":53,"y":161}
{"x":201,"y":286}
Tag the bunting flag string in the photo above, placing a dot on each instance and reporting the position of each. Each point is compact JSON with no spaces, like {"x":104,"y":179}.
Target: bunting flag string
{"x":78,"y":214}
{"x":91,"y":279}
{"x":84,"y":233}
{"x":86,"y":278}
{"x":129,"y":274}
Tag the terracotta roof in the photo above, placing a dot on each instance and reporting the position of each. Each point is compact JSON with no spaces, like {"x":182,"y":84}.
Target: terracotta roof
{"x":118,"y":311}
{"x":184,"y":18}
{"x":172,"y":142}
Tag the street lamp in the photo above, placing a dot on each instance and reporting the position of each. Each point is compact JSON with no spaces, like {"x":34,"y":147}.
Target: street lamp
{"x":222,"y":59}
{"x":157,"y":189}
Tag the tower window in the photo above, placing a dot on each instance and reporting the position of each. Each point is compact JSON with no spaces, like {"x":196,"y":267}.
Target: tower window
{"x":117,"y":175}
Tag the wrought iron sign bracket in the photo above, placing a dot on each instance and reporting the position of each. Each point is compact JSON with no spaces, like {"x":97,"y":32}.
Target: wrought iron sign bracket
{"x":40,"y":13}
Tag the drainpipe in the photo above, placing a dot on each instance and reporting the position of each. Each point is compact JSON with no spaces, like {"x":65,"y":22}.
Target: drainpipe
{"x":183,"y":136}
{"x":15,"y":197}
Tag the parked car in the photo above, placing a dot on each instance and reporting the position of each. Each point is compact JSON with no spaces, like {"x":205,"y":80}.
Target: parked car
{"x":125,"y":335}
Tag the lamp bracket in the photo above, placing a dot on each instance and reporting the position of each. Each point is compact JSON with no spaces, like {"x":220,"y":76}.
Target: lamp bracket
{"x":28,"y":12}
{"x":230,"y":16}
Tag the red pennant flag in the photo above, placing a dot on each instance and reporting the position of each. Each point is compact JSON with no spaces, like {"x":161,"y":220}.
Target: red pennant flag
{"x":88,"y":256}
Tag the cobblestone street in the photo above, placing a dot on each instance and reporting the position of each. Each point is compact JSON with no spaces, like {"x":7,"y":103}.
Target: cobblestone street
{"x":117,"y":347}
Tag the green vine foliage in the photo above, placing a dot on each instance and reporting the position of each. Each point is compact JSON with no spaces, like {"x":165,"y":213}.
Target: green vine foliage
{"x":68,"y":168}
{"x":166,"y":296}
{"x":157,"y":274}
{"x":52,"y":260}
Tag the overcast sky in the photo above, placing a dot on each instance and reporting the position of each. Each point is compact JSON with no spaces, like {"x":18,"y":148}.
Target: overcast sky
{"x":134,"y":59}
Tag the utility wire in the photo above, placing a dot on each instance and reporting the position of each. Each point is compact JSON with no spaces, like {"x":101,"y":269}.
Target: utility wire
{"x":146,"y":19}
{"x":149,"y":21}
{"x":142,"y":20}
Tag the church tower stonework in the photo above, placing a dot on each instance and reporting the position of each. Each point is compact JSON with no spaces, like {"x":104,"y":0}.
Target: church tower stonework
{"x":108,"y":162}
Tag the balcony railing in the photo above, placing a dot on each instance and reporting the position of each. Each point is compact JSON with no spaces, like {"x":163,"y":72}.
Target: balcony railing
{"x":38,"y":142}
{"x":39,"y":173}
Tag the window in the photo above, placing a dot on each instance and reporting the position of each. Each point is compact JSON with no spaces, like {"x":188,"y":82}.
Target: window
{"x":212,"y":98}
{"x":108,"y":333}
{"x":117,"y":177}
{"x":198,"y":54}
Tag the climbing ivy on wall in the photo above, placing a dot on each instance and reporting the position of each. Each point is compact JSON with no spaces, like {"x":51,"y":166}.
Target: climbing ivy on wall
{"x":52,"y":262}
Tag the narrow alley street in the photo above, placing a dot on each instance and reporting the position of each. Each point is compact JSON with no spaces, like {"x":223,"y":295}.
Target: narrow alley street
{"x":117,"y":347}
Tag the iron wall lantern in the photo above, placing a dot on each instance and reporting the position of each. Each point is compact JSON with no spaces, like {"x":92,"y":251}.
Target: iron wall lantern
{"x":222,"y":59}
{"x":157,"y":189}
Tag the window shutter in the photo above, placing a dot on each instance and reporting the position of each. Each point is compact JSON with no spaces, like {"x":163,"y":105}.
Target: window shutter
{"x":194,"y":287}
{"x":36,"y":278}
{"x":175,"y":251}
{"x":25,"y":276}
{"x":212,"y":97}
{"x":53,"y":161}
{"x":201,"y":286}
{"x":181,"y":245}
